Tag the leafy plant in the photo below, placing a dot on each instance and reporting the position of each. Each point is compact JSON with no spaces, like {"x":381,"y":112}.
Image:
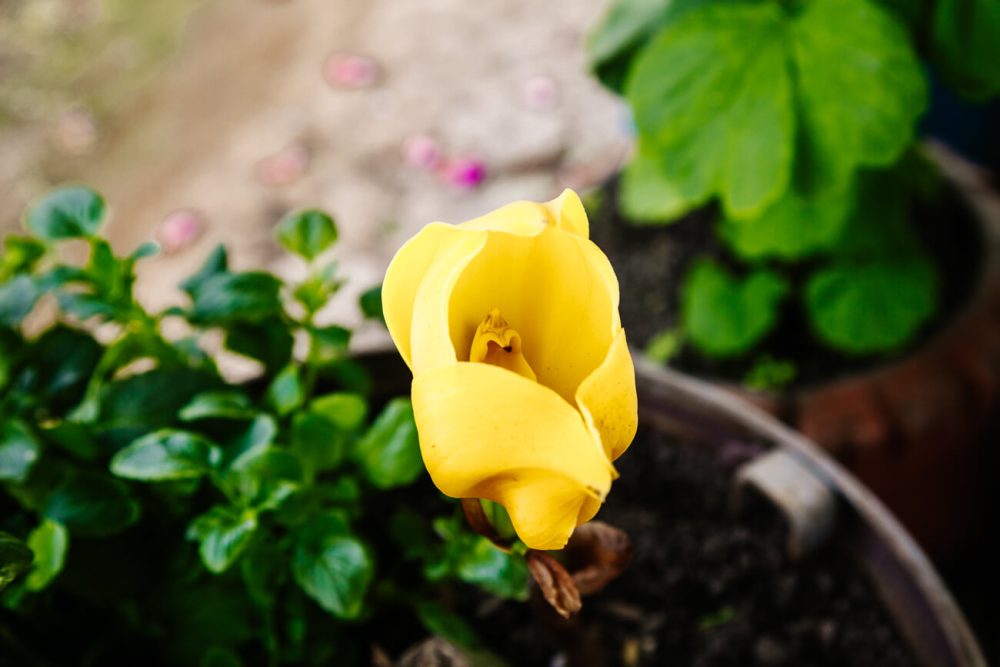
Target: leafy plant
{"x":799,"y":118}
{"x":149,"y":503}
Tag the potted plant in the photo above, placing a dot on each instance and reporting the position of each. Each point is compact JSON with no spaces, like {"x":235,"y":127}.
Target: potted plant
{"x":154,"y":511}
{"x":820,"y":240}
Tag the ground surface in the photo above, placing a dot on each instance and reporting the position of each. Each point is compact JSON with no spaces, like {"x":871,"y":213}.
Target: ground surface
{"x":502,"y":81}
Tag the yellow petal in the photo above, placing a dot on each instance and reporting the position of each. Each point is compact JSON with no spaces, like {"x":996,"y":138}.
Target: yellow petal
{"x":527,"y":218}
{"x":486,"y":432}
{"x":608,"y":402}
{"x":555,"y":290}
{"x":404,"y":276}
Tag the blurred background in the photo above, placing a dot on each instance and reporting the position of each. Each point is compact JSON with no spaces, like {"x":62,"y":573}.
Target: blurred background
{"x":210,"y":119}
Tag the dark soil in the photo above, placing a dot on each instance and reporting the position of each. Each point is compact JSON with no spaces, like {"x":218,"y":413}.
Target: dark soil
{"x":705,"y":588}
{"x":651,"y":262}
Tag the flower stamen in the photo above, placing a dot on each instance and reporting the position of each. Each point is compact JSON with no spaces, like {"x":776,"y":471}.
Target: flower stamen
{"x":498,"y":344}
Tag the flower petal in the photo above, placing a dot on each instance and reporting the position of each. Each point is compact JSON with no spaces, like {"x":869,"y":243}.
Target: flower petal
{"x":528,"y":218}
{"x":551,"y":288}
{"x":486,"y":432}
{"x":435,"y":244}
{"x":569,"y":214}
{"x":607,"y":399}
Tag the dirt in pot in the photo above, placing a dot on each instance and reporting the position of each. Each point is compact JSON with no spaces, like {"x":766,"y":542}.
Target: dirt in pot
{"x":704,"y":588}
{"x":651,"y":261}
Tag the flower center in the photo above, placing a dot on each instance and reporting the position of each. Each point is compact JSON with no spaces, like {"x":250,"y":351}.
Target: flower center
{"x":498,"y":344}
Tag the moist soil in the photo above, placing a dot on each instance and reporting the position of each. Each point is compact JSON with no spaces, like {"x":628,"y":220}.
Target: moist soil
{"x":651,"y":262}
{"x":705,"y":587}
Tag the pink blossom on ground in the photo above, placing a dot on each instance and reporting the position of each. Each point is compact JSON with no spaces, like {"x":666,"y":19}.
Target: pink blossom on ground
{"x":179,"y":230}
{"x":284,"y":167}
{"x":464,"y":173}
{"x":350,"y":71}
{"x":422,"y":152}
{"x":541,"y":93}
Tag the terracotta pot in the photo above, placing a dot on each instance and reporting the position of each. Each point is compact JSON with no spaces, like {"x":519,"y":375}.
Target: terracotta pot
{"x":912,"y":430}
{"x":823,"y":503}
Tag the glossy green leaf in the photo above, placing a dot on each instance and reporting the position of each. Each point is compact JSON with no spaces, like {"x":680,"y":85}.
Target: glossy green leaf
{"x":19,"y":450}
{"x":49,"y":542}
{"x":15,"y":558}
{"x":17,"y":299}
{"x":371,"y":303}
{"x":229,"y":404}
{"x":66,"y":213}
{"x":166,"y":455}
{"x":286,"y":392}
{"x":346,"y":411}
{"x":859,"y":97}
{"x":317,"y":442}
{"x":223,"y":534}
{"x":91,"y":504}
{"x":268,"y":341}
{"x":228,"y":297}
{"x":307,"y":233}
{"x":389,"y":453}
{"x":333,"y":567}
{"x":794,"y":228}
{"x":255,"y":438}
{"x":712,"y":98}
{"x":265,"y":478}
{"x":875,"y":306}
{"x":726,"y":316}
{"x":328,"y":343}
{"x":965,"y":40}
{"x":503,"y":574}
{"x":217,"y":263}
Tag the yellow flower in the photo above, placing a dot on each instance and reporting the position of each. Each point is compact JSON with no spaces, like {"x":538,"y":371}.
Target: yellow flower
{"x":523,"y":387}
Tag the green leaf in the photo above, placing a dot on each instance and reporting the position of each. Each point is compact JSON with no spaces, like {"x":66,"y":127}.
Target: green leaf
{"x":17,"y":298}
{"x":389,"y":453}
{"x":307,"y":233}
{"x":647,"y":195}
{"x":216,"y":264}
{"x":166,"y":455}
{"x":665,"y":345}
{"x":791,"y":229}
{"x":503,"y":574}
{"x":286,"y":391}
{"x":770,"y":374}
{"x":871,"y":307}
{"x":63,"y":361}
{"x":92,"y":505}
{"x":264,"y":479}
{"x":317,"y":443}
{"x":724,"y":316}
{"x":965,"y":40}
{"x":269,"y":342}
{"x":859,"y":98}
{"x":625,"y":23}
{"x":346,"y":411}
{"x":223,"y":534}
{"x":229,"y":297}
{"x":20,"y":255}
{"x":49,"y":542}
{"x":333,"y":567}
{"x":218,"y":404}
{"x":712,"y":98}
{"x":328,"y":343}
{"x":443,"y":623}
{"x":19,"y":450}
{"x":371,"y":303}
{"x":15,"y":558}
{"x":66,"y":213}
{"x":255,"y":439}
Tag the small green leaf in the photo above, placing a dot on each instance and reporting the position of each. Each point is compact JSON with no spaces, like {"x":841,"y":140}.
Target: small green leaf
{"x":307,"y":233}
{"x":92,"y":505}
{"x":317,"y":442}
{"x":166,"y":455}
{"x":333,"y":567}
{"x":84,"y":306}
{"x":712,"y":97}
{"x":269,"y":341}
{"x":647,"y":195}
{"x":503,"y":574}
{"x":216,"y":264}
{"x":371,"y":303}
{"x":20,"y":255}
{"x":15,"y":558}
{"x":389,"y":453}
{"x":217,"y":404}
{"x":286,"y":392}
{"x":229,"y":297}
{"x":17,"y":298}
{"x":254,"y":439}
{"x":265,"y":478}
{"x":328,"y":343}
{"x":665,"y":345}
{"x":966,"y":48}
{"x":223,"y":535}
{"x":19,"y":450}
{"x":49,"y":542}
{"x":770,"y":374}
{"x":439,"y":621}
{"x":346,"y":411}
{"x":66,"y":213}
{"x":794,"y":228}
{"x":724,"y":316}
{"x":871,"y":307}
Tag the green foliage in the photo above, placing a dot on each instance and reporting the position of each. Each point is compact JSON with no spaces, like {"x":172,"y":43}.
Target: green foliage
{"x":209,"y":520}
{"x":799,"y":118}
{"x":726,"y":316}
